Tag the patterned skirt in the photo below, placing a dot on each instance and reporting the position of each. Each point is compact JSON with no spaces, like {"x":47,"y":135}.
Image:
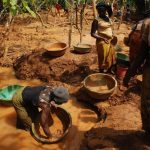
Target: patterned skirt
{"x":26,"y":114}
{"x":106,"y":54}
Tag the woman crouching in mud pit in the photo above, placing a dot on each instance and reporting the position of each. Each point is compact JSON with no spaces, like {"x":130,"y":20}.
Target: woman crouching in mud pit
{"x":102,"y":30}
{"x":27,"y":100}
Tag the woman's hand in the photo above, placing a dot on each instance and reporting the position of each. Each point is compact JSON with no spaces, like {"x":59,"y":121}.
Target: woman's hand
{"x":106,"y":41}
{"x":53,"y":104}
{"x":49,"y":136}
{"x":126,"y":80}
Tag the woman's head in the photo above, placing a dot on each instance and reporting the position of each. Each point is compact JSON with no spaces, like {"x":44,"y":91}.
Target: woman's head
{"x":102,"y":8}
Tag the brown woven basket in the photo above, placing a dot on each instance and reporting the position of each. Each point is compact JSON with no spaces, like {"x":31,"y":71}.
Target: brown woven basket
{"x":93,"y":85}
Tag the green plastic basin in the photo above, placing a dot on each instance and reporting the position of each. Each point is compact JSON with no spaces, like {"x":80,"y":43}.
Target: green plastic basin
{"x":7,"y":93}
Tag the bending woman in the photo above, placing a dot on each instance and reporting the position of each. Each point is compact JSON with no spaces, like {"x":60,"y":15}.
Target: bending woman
{"x":102,"y":31}
{"x":27,"y":100}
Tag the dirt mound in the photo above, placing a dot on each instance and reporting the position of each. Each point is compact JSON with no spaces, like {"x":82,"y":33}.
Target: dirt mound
{"x":71,"y":70}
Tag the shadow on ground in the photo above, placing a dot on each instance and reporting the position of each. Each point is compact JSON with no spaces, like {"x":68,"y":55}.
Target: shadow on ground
{"x":101,"y":138}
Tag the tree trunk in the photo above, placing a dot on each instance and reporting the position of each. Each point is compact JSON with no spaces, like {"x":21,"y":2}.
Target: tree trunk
{"x":71,"y":22}
{"x":140,"y":6}
{"x":94,"y":8}
{"x":76,"y":15}
{"x":81,"y":20}
{"x":1,"y":6}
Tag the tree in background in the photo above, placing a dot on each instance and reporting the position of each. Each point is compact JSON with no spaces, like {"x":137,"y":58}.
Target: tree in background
{"x":140,"y":6}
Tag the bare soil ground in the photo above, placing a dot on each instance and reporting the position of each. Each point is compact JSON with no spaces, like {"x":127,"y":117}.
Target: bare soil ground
{"x":122,"y":129}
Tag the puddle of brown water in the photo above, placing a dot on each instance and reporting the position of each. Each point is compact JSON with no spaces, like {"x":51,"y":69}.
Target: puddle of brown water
{"x":14,"y":139}
{"x":7,"y":77}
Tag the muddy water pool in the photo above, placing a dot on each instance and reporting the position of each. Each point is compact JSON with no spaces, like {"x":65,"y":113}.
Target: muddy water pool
{"x":15,"y":139}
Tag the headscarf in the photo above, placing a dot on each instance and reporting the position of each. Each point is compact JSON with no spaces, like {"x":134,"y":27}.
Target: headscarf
{"x":104,"y":6}
{"x":101,"y":5}
{"x":59,"y":95}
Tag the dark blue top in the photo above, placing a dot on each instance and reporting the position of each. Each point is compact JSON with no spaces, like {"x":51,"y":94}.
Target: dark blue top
{"x":30,"y":95}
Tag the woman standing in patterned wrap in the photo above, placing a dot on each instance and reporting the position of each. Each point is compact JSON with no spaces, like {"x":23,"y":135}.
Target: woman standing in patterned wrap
{"x":102,"y":30}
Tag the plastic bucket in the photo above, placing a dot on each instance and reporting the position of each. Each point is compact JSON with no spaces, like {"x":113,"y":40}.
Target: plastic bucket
{"x":121,"y":71}
{"x":123,"y":59}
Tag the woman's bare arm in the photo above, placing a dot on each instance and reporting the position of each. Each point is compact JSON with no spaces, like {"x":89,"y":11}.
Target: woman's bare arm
{"x":45,"y":118}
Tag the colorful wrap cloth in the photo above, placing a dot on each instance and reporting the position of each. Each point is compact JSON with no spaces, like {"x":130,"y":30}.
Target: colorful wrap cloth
{"x":26,"y":114}
{"x":106,"y":54}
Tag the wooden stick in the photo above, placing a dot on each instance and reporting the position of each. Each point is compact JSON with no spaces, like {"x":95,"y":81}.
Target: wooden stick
{"x":81,"y":20}
{"x":94,"y":8}
{"x":41,"y":20}
{"x":71,"y":23}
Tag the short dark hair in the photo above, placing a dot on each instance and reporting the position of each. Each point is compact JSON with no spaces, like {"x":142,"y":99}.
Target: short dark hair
{"x":100,"y":5}
{"x":106,"y":6}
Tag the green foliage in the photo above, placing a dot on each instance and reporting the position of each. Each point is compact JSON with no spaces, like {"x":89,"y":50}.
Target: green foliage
{"x":131,"y":2}
{"x":21,"y":6}
{"x":26,"y":6}
{"x":13,"y":7}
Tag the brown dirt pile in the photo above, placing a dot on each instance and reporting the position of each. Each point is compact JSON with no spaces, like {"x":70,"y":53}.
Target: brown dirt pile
{"x":71,"y":70}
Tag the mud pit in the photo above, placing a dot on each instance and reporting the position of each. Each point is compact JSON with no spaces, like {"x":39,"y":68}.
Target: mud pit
{"x":123,"y":125}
